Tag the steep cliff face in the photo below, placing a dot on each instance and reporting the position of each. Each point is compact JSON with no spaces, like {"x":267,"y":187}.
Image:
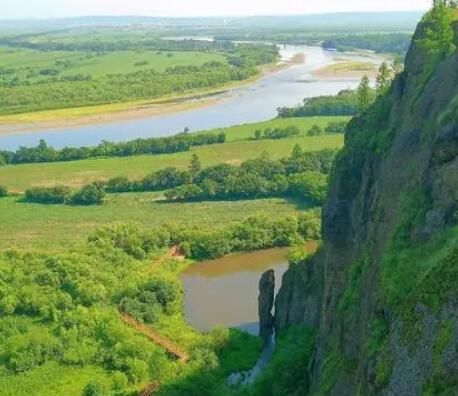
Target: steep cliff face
{"x":382,"y":292}
{"x":266,"y":303}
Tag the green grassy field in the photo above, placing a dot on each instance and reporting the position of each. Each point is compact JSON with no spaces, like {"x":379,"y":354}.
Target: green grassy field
{"x":57,"y":227}
{"x":52,"y":379}
{"x":76,"y":173}
{"x":122,"y":62}
{"x":246,"y":131}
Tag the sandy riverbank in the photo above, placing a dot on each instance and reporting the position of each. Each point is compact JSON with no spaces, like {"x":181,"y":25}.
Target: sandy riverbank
{"x":347,"y":69}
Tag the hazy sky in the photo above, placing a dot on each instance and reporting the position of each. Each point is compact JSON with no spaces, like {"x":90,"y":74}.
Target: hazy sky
{"x":61,"y":8}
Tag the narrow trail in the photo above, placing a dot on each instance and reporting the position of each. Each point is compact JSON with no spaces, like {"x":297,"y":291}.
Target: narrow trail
{"x":169,"y":346}
{"x":149,"y":389}
{"x":173,"y":253}
{"x":152,"y":335}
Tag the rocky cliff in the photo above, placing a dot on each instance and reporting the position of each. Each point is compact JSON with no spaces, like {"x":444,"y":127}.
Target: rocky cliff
{"x":266,"y":303}
{"x":382,"y":292}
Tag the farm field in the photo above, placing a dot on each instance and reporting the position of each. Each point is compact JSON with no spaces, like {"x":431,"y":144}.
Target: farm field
{"x":76,"y":173}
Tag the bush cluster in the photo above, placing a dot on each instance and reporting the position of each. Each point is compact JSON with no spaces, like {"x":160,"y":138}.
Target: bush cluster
{"x":254,"y":233}
{"x":302,"y":175}
{"x":259,"y":177}
{"x":90,"y":194}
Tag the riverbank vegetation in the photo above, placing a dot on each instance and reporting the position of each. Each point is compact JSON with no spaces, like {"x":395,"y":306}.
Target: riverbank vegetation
{"x":302,"y":175}
{"x":38,"y":75}
{"x":175,"y":144}
{"x":379,"y":42}
{"x":185,"y":141}
{"x":291,"y":184}
{"x":346,"y":102}
{"x":75,"y":174}
{"x":60,"y":322}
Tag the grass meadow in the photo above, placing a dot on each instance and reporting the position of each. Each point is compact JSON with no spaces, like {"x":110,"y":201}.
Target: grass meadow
{"x":100,"y":64}
{"x":76,"y":173}
{"x":58,"y":227}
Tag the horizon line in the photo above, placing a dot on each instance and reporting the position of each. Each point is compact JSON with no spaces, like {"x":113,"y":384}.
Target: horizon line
{"x":208,"y":16}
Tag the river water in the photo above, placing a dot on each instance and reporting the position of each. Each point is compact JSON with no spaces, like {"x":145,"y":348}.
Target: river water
{"x":224,"y":292}
{"x":254,"y":102}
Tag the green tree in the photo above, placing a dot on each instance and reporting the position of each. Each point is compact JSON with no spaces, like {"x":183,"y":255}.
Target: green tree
{"x":90,"y":194}
{"x":315,"y":130}
{"x":384,"y":79}
{"x":94,"y":389}
{"x":3,"y":191}
{"x":364,"y":94}
{"x":439,"y":34}
{"x":297,"y":152}
{"x":195,"y":166}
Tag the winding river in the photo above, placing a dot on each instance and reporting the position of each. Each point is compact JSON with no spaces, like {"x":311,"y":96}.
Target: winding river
{"x":252,"y":102}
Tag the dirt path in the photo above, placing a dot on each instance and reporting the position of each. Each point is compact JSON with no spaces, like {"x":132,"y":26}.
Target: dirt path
{"x":149,"y":389}
{"x":163,"y":342}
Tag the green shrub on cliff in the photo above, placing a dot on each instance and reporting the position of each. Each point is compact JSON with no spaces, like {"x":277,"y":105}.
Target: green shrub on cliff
{"x":439,"y":32}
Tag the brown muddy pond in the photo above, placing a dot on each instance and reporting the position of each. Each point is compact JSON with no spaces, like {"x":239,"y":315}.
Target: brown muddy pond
{"x":224,"y":292}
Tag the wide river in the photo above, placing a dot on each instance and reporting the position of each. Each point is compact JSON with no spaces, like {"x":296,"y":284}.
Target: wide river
{"x":253,"y":102}
{"x":224,"y":292}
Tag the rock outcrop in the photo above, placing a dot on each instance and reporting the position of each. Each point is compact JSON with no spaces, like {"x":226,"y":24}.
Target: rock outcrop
{"x":382,"y":293}
{"x":266,"y":303}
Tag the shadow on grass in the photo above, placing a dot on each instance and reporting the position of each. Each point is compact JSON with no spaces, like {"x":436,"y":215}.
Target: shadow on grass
{"x":204,"y":376}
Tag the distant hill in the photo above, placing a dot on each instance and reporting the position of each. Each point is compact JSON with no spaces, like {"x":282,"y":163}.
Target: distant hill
{"x":371,"y":21}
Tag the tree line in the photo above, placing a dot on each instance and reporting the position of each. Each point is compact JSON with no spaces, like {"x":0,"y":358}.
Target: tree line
{"x":292,"y":131}
{"x":107,"y":45}
{"x":346,"y":102}
{"x":174,"y":144}
{"x":302,"y":174}
{"x":56,"y":93}
{"x":29,"y":89}
{"x":200,"y":243}
{"x":260,"y":177}
{"x":392,"y":43}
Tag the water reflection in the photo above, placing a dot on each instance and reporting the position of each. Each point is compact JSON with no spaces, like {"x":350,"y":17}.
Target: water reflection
{"x":224,"y":292}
